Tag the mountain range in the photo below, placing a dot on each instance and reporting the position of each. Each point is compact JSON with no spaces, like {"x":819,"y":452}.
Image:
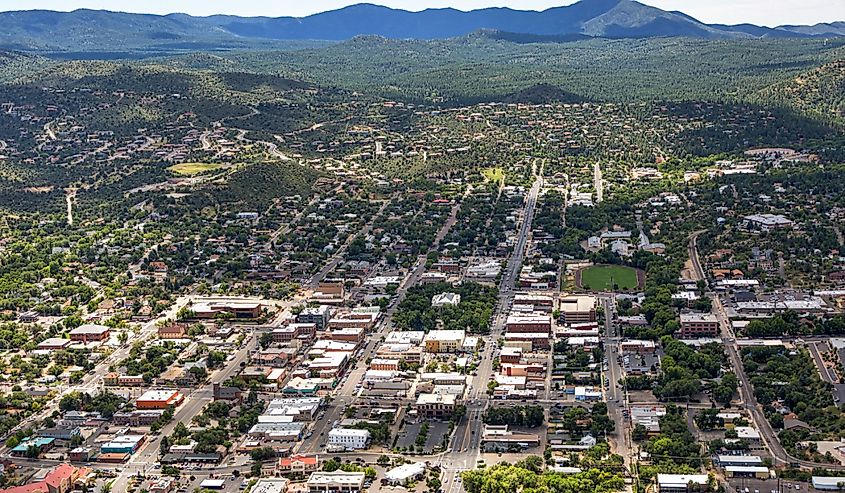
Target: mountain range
{"x":99,"y":30}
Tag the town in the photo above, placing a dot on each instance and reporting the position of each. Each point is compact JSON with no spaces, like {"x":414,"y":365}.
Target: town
{"x":264,"y":285}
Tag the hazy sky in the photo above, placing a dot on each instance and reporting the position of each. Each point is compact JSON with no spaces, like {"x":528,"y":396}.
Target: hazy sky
{"x":762,"y":12}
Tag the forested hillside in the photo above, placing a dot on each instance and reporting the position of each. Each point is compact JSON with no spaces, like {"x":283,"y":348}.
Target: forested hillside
{"x":819,"y":92}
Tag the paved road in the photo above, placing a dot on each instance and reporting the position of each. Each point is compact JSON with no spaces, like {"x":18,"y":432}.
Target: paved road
{"x":749,"y":401}
{"x":345,"y":394}
{"x":465,"y":445}
{"x":616,"y":396}
{"x":338,"y":257}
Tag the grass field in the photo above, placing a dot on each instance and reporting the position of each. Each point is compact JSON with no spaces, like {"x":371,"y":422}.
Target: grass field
{"x":598,"y":277}
{"x":496,"y":175}
{"x":191,"y":169}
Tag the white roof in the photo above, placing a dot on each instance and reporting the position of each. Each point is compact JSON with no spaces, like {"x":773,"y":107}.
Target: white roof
{"x":746,"y":459}
{"x":445,"y":335}
{"x":322,"y":478}
{"x":827,"y":482}
{"x":354,"y":432}
{"x":698,"y":317}
{"x":681,"y":480}
{"x":90,"y":329}
{"x":754,"y":469}
{"x":405,"y":471}
{"x":270,"y":485}
{"x":212,"y":483}
{"x":746,"y":432}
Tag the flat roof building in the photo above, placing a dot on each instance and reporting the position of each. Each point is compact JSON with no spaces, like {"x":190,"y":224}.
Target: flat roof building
{"x":335,"y":482}
{"x":159,"y":399}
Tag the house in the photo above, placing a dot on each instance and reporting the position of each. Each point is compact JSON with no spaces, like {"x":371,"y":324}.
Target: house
{"x":335,"y":482}
{"x":221,"y":393}
{"x":349,"y":438}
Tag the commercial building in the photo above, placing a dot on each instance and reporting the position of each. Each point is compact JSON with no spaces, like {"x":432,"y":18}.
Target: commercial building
{"x":60,"y":480}
{"x":349,"y":438}
{"x":828,"y":483}
{"x":335,"y":482}
{"x":758,"y":472}
{"x":404,"y":473}
{"x":699,"y":325}
{"x":739,"y":460}
{"x":500,"y":437}
{"x":444,"y":341}
{"x":270,"y":485}
{"x":122,"y":444}
{"x":537,"y":302}
{"x":577,"y":309}
{"x":435,"y":405}
{"x":304,"y":331}
{"x":159,"y":399}
{"x":747,"y":433}
{"x":298,"y":464}
{"x":767,"y":222}
{"x":90,"y":333}
{"x":236,"y":309}
{"x":539,"y":341}
{"x":282,"y":432}
{"x":535,"y":323}
{"x":172,"y":331}
{"x":319,"y":316}
{"x":53,"y":344}
{"x":682,"y":483}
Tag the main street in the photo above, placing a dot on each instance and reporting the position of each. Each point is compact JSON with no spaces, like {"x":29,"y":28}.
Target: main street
{"x":616,"y":395}
{"x":465,"y":445}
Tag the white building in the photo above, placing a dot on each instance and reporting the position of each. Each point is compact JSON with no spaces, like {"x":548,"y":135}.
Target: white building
{"x":680,"y":483}
{"x":335,"y":482}
{"x":405,"y":473}
{"x":349,"y":438}
{"x":444,"y":299}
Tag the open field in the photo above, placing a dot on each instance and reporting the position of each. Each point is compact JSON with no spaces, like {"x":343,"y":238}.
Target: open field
{"x":192,"y":169}
{"x":496,"y":175}
{"x":601,"y":277}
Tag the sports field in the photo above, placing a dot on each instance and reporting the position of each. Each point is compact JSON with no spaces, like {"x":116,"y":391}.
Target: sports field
{"x":191,"y":169}
{"x":604,"y":277}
